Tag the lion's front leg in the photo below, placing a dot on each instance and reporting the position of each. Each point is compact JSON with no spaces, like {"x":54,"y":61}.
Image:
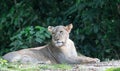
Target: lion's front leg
{"x":81,"y":60}
{"x":84,"y":60}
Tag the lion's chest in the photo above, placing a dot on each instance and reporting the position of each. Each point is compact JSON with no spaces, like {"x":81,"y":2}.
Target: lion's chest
{"x":65,"y":54}
{"x":62,"y":58}
{"x":68,"y":51}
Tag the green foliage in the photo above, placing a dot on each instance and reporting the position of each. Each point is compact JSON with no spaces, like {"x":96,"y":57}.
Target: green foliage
{"x":5,"y":66}
{"x":14,"y":17}
{"x":99,"y":30}
{"x":96,"y":24}
{"x":29,"y":37}
{"x":113,"y":69}
{"x":3,"y":62}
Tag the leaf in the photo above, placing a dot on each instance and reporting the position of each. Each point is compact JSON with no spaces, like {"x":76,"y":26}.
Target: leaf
{"x":95,"y":28}
{"x":108,"y":50}
{"x":24,"y":46}
{"x":82,"y":37}
{"x":71,"y":10}
{"x":42,"y":36}
{"x":16,"y":43}
{"x":117,"y":43}
{"x":39,"y":40}
{"x":47,"y":35}
{"x":37,"y":27}
{"x":96,"y":41}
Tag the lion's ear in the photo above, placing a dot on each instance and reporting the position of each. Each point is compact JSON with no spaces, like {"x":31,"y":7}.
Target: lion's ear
{"x":69,"y":27}
{"x":50,"y":28}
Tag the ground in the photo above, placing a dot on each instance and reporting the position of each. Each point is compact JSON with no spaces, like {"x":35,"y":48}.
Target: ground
{"x":102,"y":66}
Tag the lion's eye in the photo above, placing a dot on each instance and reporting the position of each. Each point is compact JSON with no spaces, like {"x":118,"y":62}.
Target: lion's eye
{"x":53,"y":33}
{"x":61,"y":31}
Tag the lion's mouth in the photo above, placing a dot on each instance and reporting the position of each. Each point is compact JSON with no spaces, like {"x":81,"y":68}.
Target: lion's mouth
{"x":59,"y":43}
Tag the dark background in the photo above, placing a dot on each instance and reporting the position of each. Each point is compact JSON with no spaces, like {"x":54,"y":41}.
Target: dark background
{"x":96,"y":32}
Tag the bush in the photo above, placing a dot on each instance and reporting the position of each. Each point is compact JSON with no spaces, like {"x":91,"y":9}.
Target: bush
{"x":29,"y":37}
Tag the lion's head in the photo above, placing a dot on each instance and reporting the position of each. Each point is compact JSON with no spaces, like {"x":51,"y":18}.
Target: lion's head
{"x":60,"y":34}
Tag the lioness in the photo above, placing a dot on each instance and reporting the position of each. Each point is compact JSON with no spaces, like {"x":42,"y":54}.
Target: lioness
{"x":60,"y":50}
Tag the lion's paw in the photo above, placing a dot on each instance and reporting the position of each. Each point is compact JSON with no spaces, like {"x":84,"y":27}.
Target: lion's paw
{"x":96,"y":60}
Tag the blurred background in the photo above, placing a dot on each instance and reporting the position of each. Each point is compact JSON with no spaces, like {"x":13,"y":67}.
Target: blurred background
{"x":96,"y":32}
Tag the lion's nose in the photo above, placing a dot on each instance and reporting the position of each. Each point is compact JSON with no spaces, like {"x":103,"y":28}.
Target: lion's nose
{"x":57,"y":39}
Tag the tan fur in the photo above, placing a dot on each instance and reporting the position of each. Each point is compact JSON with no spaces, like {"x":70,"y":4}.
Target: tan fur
{"x":60,"y":50}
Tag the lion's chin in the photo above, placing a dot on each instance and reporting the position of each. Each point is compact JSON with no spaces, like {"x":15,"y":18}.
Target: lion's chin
{"x":60,"y":44}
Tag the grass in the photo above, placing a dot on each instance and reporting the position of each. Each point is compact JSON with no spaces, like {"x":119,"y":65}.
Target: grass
{"x":6,"y":66}
{"x":113,"y":69}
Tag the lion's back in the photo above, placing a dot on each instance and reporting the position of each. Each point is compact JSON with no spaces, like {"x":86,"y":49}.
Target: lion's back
{"x":28,"y":56}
